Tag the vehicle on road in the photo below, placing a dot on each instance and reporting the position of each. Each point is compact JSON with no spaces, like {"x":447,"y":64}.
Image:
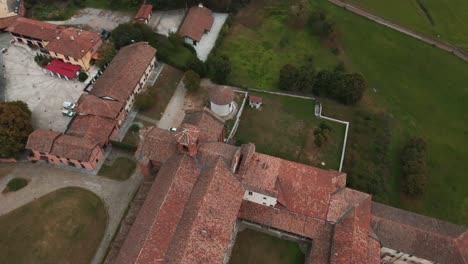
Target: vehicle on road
{"x":68,"y":113}
{"x":68,"y":105}
{"x":172,"y":129}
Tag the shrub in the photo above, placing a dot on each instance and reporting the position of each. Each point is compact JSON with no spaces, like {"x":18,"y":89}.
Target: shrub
{"x":15,"y":127}
{"x":353,"y":88}
{"x":192,"y":81}
{"x":218,"y":68}
{"x":414,"y":166}
{"x":289,"y":75}
{"x":42,"y":60}
{"x":123,"y":146}
{"x":321,"y":134}
{"x":82,"y":76}
{"x":134,"y":128}
{"x":16,"y":184}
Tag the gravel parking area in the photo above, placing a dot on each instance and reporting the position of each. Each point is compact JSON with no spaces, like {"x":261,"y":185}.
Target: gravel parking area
{"x":97,"y":18}
{"x":165,"y":22}
{"x":43,"y":93}
{"x":208,"y":41}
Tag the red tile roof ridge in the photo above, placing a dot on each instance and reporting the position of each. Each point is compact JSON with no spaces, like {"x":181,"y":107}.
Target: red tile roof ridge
{"x":144,"y":11}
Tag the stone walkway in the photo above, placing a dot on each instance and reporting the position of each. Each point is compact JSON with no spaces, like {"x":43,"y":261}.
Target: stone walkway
{"x":43,"y":180}
{"x":174,"y":113}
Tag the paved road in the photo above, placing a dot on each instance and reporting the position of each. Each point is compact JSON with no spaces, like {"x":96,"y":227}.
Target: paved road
{"x":462,"y":55}
{"x":116,"y":195}
{"x":174,"y":113}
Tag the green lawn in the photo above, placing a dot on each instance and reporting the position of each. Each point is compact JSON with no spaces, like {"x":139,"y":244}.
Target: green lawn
{"x":257,"y":49}
{"x":164,"y":88}
{"x":284,"y":128}
{"x":449,"y":17}
{"x":120,"y":170}
{"x":65,"y":226}
{"x":253,"y":247}
{"x":419,"y":91}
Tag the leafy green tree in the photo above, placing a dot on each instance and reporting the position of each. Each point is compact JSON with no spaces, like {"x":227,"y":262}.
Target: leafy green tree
{"x":352,"y":89}
{"x":15,"y":127}
{"x":128,"y":33}
{"x":192,"y":81}
{"x":414,"y":166}
{"x":219,"y":68}
{"x":106,"y":53}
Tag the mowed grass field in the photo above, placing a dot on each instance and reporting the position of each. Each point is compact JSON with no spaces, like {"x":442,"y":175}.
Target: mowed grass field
{"x":268,"y":43}
{"x":445,"y":18}
{"x":284,"y":128}
{"x":253,"y":247}
{"x":65,"y":226}
{"x":421,"y":89}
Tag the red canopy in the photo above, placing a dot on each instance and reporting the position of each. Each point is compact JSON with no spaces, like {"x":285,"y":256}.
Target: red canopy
{"x":62,"y":68}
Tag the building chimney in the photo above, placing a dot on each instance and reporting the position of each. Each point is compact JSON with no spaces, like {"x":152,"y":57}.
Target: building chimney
{"x":72,"y":38}
{"x":200,"y":5}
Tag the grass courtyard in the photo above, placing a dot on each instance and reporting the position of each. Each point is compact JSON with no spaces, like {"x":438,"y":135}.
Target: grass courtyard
{"x":284,"y":128}
{"x":443,"y":19}
{"x":65,"y":226}
{"x":253,"y":247}
{"x":120,"y":170}
{"x":415,"y":90}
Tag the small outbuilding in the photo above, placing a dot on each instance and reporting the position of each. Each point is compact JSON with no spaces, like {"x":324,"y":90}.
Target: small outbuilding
{"x":255,"y":101}
{"x":221,"y":100}
{"x":198,"y":21}
{"x":144,"y":14}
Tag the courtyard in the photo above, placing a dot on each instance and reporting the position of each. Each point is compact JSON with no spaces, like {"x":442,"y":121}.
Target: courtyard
{"x":254,"y":247}
{"x":284,"y":127}
{"x":43,"y":93}
{"x":96,"y":18}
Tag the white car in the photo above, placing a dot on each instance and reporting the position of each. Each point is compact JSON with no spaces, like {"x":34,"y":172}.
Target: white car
{"x":68,"y":113}
{"x":68,"y":105}
{"x":4,"y":50}
{"x":173,"y":129}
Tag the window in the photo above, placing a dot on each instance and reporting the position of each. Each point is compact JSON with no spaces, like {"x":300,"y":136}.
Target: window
{"x":250,"y":193}
{"x":264,"y":198}
{"x":264,"y":203}
{"x":185,"y":148}
{"x":67,"y":58}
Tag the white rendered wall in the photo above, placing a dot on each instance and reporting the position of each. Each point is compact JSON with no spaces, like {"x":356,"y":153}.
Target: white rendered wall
{"x":259,"y":198}
{"x":221,"y":110}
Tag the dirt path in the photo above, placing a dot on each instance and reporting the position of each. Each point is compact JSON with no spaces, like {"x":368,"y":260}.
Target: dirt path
{"x":43,"y":180}
{"x":462,"y":55}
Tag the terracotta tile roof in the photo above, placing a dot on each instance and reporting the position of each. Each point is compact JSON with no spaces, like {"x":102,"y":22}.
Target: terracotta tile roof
{"x":262,"y":173}
{"x":93,"y":128}
{"x":157,"y":221}
{"x":33,"y":28}
{"x":221,"y":95}
{"x":74,"y":42}
{"x":41,"y":140}
{"x":156,"y":144}
{"x":255,"y":99}
{"x":422,"y":236}
{"x":204,"y":232}
{"x":210,"y":151}
{"x":197,"y":21}
{"x":211,"y":126}
{"x":92,"y":105}
{"x":144,"y":11}
{"x":124,"y":72}
{"x":343,"y":201}
{"x":187,"y":134}
{"x":7,"y":21}
{"x":71,"y":147}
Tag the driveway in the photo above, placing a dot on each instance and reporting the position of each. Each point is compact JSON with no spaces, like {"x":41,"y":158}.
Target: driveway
{"x":97,"y":18}
{"x":174,"y":113}
{"x":43,"y":93}
{"x":208,"y":40}
{"x":43,"y":180}
{"x":4,"y":43}
{"x":165,"y":22}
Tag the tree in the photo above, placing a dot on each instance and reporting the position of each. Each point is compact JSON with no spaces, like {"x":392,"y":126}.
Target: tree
{"x":128,"y":33}
{"x":414,"y":166}
{"x":106,"y":53}
{"x":289,"y":75}
{"x":327,"y":83}
{"x":192,"y":81}
{"x":352,"y":89}
{"x":219,"y":68}
{"x":15,"y":127}
{"x":82,"y":76}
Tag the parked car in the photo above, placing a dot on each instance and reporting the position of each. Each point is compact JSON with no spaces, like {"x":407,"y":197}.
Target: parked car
{"x":68,"y":105}
{"x":68,"y":113}
{"x":4,"y":50}
{"x":104,"y":33}
{"x":173,"y":129}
